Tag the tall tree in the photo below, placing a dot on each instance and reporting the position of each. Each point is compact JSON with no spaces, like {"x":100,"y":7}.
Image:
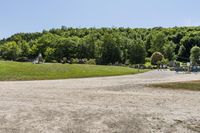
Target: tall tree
{"x":169,"y":50}
{"x":157,"y":42}
{"x":111,"y":52}
{"x":181,"y":54}
{"x":137,"y":52}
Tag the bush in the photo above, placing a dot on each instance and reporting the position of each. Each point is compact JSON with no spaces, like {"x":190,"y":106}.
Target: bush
{"x":195,"y":54}
{"x":74,"y":61}
{"x":54,"y":61}
{"x":82,"y":61}
{"x":78,"y":61}
{"x":1,"y":58}
{"x":118,"y":64}
{"x":64,"y":60}
{"x":156,"y":58}
{"x":22,"y":59}
{"x":91,"y":61}
{"x":148,"y":65}
{"x":147,"y":59}
{"x":127,"y":62}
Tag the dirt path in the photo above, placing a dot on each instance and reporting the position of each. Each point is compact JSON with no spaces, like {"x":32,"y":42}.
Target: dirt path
{"x":119,"y":104}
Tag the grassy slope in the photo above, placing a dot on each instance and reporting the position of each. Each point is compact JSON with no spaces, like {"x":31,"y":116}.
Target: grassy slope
{"x":193,"y":85}
{"x":29,"y":71}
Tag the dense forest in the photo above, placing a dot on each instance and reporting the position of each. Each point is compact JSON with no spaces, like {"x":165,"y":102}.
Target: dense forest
{"x":104,"y":45}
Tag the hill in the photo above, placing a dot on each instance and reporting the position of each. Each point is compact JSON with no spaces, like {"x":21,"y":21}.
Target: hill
{"x":105,"y":45}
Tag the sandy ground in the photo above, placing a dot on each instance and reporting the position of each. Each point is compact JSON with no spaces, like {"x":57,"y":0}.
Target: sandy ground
{"x":119,"y":104}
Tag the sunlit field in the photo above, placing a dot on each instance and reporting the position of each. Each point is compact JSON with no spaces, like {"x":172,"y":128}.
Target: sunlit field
{"x":29,"y":71}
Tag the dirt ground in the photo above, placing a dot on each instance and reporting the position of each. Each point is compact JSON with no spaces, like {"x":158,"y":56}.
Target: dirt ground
{"x":119,"y":104}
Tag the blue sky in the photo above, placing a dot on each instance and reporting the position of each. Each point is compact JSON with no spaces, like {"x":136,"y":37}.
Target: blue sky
{"x":36,"y":15}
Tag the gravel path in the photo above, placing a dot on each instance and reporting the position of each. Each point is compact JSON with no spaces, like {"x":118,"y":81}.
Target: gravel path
{"x":120,"y":104}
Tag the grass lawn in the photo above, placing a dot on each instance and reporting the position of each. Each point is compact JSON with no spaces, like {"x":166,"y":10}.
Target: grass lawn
{"x":29,"y":71}
{"x":192,"y":85}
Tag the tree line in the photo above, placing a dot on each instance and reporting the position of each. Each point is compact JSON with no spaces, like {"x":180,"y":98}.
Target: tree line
{"x":104,"y":45}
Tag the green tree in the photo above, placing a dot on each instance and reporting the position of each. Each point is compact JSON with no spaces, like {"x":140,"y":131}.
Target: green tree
{"x":148,"y":44}
{"x":157,"y":42}
{"x":169,"y":50}
{"x":10,"y":50}
{"x":34,"y":51}
{"x":47,"y":40}
{"x":190,"y":40}
{"x":49,"y":54}
{"x":137,"y":52}
{"x":66,"y":48}
{"x":87,"y":47}
{"x":181,"y":53}
{"x":111,"y":52}
{"x":25,"y":49}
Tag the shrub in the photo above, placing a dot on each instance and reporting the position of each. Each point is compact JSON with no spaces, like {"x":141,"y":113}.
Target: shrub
{"x":64,"y":60}
{"x":78,"y":61}
{"x":127,"y":62}
{"x":22,"y":59}
{"x":195,"y":55}
{"x":82,"y":61}
{"x":54,"y":61}
{"x":148,"y":65}
{"x":147,"y":59}
{"x":74,"y":61}
{"x":156,"y":58}
{"x":91,"y":61}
